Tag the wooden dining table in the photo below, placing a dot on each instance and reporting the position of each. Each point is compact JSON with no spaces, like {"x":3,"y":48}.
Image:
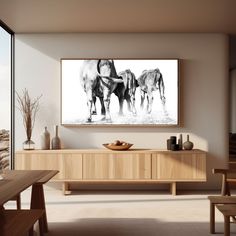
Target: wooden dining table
{"x":16,"y":181}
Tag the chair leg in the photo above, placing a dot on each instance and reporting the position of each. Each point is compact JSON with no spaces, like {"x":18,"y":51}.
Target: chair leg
{"x":227,"y":189}
{"x":41,"y":229}
{"x":223,"y":185}
{"x":227,"y":225}
{"x":212,"y":218}
{"x":38,"y":202}
{"x":18,"y":202}
{"x":31,"y":231}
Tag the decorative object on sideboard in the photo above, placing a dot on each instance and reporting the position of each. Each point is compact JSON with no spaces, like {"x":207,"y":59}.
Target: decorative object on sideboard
{"x":28,"y":108}
{"x":45,"y":140}
{"x":171,"y":144}
{"x":180,"y":142}
{"x":56,"y":142}
{"x":4,"y":149}
{"x":118,"y":145}
{"x":174,"y":147}
{"x":173,"y":139}
{"x":168,"y":143}
{"x":188,"y":145}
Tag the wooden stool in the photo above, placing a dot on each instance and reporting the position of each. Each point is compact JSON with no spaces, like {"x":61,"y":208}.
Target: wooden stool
{"x":227,"y":210}
{"x":19,"y":222}
{"x":214,"y":200}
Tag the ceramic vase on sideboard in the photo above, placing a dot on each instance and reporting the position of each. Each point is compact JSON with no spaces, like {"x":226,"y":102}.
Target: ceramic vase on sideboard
{"x":56,"y":142}
{"x":45,"y":140}
{"x":188,"y":145}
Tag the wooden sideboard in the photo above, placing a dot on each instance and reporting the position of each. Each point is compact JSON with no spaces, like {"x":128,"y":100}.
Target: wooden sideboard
{"x":131,"y":166}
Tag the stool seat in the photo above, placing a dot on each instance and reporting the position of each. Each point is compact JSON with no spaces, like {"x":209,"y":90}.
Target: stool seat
{"x":222,"y":199}
{"x":19,"y":222}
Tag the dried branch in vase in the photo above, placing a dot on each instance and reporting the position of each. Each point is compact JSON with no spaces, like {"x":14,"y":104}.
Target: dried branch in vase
{"x":28,"y":108}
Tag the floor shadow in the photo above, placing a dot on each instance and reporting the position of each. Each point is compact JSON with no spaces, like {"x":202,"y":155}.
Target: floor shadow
{"x":131,"y":227}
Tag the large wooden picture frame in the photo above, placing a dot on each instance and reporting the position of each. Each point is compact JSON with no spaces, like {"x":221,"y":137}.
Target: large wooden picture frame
{"x":120,"y":92}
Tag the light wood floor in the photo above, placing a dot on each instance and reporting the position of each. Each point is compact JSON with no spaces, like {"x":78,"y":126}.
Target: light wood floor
{"x":127,"y":213}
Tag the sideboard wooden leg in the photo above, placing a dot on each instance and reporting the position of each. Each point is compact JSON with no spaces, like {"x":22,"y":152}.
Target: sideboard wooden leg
{"x":65,"y":188}
{"x":173,"y":188}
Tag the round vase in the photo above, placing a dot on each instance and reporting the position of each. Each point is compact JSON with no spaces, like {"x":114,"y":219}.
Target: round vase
{"x":188,"y":145}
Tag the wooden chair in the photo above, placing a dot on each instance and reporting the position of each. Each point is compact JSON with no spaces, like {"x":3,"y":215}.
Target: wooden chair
{"x":224,"y":202}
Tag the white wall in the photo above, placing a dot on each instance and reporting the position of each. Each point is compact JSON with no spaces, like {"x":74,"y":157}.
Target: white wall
{"x":204,"y":87}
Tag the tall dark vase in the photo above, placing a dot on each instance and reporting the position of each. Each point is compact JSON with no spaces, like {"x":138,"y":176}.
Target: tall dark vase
{"x":180,"y":142}
{"x":56,"y":142}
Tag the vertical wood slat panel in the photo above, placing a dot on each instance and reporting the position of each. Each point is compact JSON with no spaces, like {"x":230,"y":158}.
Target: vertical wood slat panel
{"x":172,"y":166}
{"x":69,"y":165}
{"x":105,"y":165}
{"x":116,"y":166}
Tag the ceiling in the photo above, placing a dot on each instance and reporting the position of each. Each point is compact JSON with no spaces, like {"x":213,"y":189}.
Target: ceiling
{"x":58,"y":16}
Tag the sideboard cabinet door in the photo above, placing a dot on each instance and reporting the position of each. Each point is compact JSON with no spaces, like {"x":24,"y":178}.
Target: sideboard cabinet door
{"x":116,"y":166}
{"x":72,"y":166}
{"x":37,"y":161}
{"x":179,"y":166}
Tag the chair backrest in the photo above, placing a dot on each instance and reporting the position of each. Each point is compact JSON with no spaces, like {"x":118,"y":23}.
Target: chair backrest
{"x":228,"y":177}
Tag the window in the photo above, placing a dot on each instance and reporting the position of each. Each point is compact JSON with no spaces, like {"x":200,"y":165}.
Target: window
{"x":6,"y":97}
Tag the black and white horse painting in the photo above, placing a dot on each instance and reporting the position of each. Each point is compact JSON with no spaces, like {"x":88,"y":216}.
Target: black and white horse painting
{"x":119,"y":92}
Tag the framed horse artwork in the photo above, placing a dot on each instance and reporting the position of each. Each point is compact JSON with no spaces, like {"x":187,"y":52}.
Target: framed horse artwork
{"x":120,"y":92}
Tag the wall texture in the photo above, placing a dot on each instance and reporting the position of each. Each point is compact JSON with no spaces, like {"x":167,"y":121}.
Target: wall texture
{"x":203,"y":80}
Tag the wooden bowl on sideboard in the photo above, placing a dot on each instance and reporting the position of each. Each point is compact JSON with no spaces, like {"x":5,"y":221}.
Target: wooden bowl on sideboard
{"x":118,"y":147}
